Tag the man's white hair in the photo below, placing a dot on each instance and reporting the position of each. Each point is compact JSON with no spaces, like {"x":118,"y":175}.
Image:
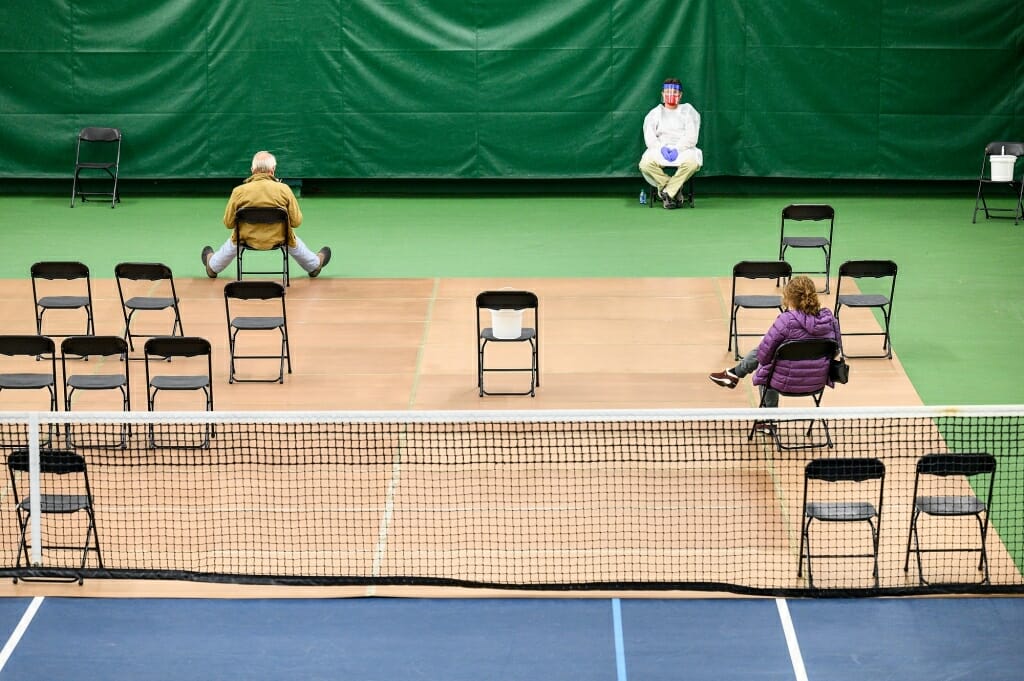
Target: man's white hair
{"x":264,"y":162}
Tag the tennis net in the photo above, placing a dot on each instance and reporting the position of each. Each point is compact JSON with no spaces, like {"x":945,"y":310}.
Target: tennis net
{"x":695,"y":500}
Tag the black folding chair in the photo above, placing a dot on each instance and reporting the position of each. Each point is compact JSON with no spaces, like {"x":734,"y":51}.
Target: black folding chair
{"x":817,"y":353}
{"x":753,"y":270}
{"x":147,"y":287}
{"x":263,"y":216}
{"x":98,"y":153}
{"x":62,"y":296}
{"x":65,"y":490}
{"x":868,"y":269}
{"x":821,"y":239}
{"x":111,"y":349}
{"x":513,"y":304}
{"x":1014,"y":186}
{"x":156,"y":350}
{"x":20,"y":348}
{"x":271,"y":294}
{"x":829,"y":506}
{"x":951,"y":486}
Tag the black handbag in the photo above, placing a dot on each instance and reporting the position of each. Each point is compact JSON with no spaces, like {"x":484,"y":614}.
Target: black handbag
{"x":839,"y":370}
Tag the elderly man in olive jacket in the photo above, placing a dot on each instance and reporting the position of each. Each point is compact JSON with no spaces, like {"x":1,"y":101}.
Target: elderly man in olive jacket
{"x":263,"y":190}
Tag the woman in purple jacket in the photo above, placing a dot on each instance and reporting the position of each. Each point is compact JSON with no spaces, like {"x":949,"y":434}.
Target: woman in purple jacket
{"x":804,"y":318}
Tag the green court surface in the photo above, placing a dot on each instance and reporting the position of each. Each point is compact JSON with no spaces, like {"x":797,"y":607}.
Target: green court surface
{"x":958,"y":312}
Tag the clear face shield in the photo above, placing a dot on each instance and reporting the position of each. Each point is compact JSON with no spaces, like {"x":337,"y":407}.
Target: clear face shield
{"x":670,"y":94}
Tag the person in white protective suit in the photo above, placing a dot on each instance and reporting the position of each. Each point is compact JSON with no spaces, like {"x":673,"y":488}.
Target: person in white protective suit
{"x":670,"y":133}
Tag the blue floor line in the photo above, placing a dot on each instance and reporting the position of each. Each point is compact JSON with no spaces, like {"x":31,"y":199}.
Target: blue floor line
{"x":620,"y":648}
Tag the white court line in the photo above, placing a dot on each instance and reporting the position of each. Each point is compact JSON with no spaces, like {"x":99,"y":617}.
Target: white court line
{"x":19,"y":631}
{"x":794,"y":646}
{"x":396,"y":468}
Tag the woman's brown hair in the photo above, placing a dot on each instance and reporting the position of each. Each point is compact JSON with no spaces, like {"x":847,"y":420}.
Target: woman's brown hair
{"x":801,"y":294}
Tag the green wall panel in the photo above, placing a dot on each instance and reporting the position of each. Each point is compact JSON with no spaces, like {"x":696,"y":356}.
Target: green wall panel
{"x":413,"y":25}
{"x":813,"y":23}
{"x":160,"y":82}
{"x":38,"y":27}
{"x":510,"y":88}
{"x":35,"y":82}
{"x":408,"y":145}
{"x":392,"y":81}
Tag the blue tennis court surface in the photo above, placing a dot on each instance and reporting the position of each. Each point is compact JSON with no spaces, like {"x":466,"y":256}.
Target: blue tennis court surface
{"x":511,"y":639}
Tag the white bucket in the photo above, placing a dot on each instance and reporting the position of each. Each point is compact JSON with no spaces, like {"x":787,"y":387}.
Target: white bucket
{"x":1002,"y":167}
{"x":507,"y":324}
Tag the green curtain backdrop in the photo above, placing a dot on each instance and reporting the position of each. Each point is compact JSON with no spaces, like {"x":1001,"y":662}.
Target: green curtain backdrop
{"x":909,"y":89}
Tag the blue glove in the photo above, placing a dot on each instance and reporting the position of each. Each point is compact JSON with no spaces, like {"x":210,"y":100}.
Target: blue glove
{"x":669,"y":154}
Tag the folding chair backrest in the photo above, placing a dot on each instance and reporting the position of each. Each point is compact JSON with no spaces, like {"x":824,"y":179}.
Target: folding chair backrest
{"x":262,"y":215}
{"x":15,"y":345}
{"x":506,"y":300}
{"x":177,"y":346}
{"x":64,"y":270}
{"x":761,"y":269}
{"x":967,"y":465}
{"x":806,"y":349}
{"x":86,"y":346}
{"x":253,"y":290}
{"x":55,"y":461}
{"x":839,"y":470}
{"x":808,"y":211}
{"x":142,"y":271}
{"x":868,"y":268}
{"x":1008,"y":148}
{"x":99,"y":135}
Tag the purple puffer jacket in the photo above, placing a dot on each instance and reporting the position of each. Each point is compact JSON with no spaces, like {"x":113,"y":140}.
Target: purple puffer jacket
{"x":805,"y":376}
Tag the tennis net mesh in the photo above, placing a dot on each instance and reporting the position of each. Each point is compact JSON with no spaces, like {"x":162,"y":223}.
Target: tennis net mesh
{"x":694,"y":500}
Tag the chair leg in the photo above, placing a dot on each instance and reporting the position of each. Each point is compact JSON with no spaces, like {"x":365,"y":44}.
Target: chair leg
{"x":535,"y":374}
{"x":810,"y":574}
{"x":913,"y":536}
{"x":983,"y":558}
{"x":480,"y":367}
{"x":875,"y":536}
{"x":828,"y":268}
{"x":803,"y":536}
{"x":734,"y":333}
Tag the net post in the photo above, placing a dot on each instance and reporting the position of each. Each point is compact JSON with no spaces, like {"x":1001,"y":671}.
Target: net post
{"x":34,"y":494}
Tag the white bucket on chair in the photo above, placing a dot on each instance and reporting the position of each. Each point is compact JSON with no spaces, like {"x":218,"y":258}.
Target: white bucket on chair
{"x":507,"y":324}
{"x":1002,"y":167}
